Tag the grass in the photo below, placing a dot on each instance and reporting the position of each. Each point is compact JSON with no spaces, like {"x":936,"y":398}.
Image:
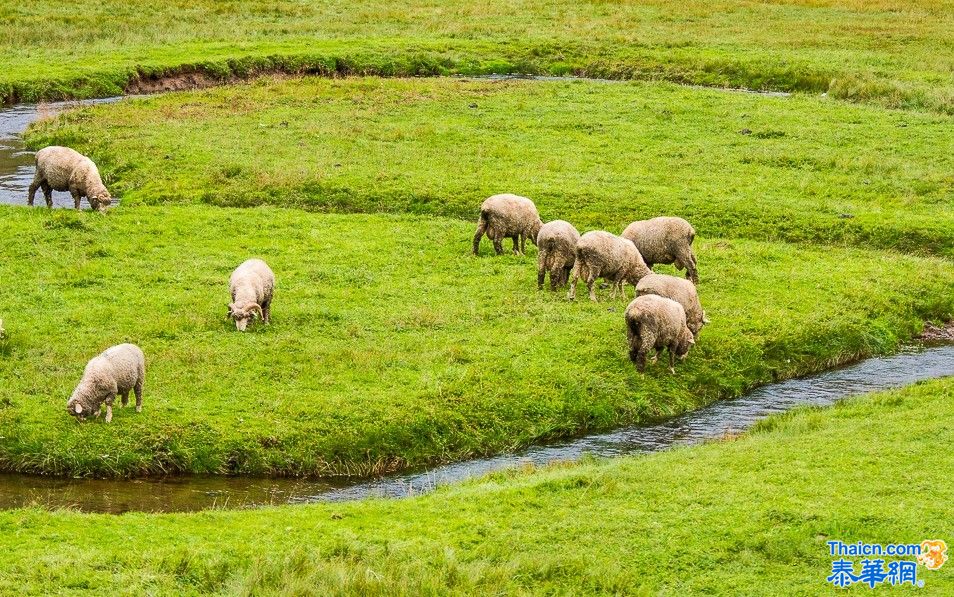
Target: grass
{"x":736,"y":165}
{"x":895,"y":53}
{"x":391,"y":345}
{"x":752,"y":514}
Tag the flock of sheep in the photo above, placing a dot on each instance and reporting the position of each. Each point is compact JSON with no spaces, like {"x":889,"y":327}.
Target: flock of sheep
{"x":666,"y":313}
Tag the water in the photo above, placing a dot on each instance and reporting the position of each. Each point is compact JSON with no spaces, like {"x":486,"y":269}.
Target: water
{"x":182,"y":494}
{"x":16,"y":161}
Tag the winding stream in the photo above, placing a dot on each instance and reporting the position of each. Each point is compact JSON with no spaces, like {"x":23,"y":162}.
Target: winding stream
{"x":184,"y":494}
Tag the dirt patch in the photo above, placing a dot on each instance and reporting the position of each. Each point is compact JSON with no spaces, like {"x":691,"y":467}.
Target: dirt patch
{"x":942,"y":333}
{"x":174,"y":82}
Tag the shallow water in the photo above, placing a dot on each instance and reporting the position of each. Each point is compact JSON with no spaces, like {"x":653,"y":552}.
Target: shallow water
{"x":16,"y":161}
{"x":183,"y":494}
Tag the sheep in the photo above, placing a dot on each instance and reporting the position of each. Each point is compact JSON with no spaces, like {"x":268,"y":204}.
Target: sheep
{"x":603,"y":254}
{"x":665,"y":240}
{"x":62,"y":169}
{"x":556,"y":245}
{"x":116,"y":371}
{"x":508,"y":216}
{"x":680,"y":290}
{"x":656,"y":322}
{"x":251,"y":286}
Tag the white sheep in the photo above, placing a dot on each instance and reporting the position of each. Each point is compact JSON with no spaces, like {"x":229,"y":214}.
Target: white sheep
{"x":62,"y":169}
{"x":656,"y":322}
{"x":556,"y":246}
{"x":116,"y":371}
{"x":508,"y":216}
{"x":251,"y":286}
{"x":601,"y":254}
{"x":680,"y":290}
{"x":665,"y":240}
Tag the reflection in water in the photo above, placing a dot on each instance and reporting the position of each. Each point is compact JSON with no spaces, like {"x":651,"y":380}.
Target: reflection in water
{"x":181,"y":494}
{"x":16,"y":162}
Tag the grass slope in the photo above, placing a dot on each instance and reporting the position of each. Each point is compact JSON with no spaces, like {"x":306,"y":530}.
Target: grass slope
{"x":749,"y":516}
{"x":391,"y":345}
{"x":893,"y":52}
{"x":597,"y":154}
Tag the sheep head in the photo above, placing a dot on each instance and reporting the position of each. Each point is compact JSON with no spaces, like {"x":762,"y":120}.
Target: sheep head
{"x":100,"y":201}
{"x":242,"y":315}
{"x":75,"y":408}
{"x":684,"y":343}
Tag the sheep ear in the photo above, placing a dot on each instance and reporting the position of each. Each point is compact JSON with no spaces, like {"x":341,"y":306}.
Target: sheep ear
{"x":78,"y":408}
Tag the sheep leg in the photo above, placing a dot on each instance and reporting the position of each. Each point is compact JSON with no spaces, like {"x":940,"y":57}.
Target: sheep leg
{"x":76,"y":197}
{"x":523,"y":244}
{"x":686,"y":260}
{"x":647,"y":340}
{"x":498,"y":243}
{"x":672,"y":361}
{"x":32,"y":193}
{"x":47,"y":193}
{"x":124,"y":398}
{"x":542,"y":272}
{"x":590,"y":279}
{"x":267,"y":311}
{"x":481,"y":229}
{"x":516,"y":244}
{"x":138,"y":390}
{"x":109,"y":413}
{"x":571,"y":294}
{"x":556,"y":277}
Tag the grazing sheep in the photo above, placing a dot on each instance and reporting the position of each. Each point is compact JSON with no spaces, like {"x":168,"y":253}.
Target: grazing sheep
{"x":602,"y":254}
{"x":656,"y":322}
{"x":251,"y":286}
{"x":62,"y":169}
{"x":665,"y":240}
{"x":680,"y":290}
{"x":116,"y":371}
{"x":556,"y":245}
{"x":508,"y":216}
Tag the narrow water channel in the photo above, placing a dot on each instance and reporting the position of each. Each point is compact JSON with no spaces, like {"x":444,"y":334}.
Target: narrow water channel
{"x":184,"y":494}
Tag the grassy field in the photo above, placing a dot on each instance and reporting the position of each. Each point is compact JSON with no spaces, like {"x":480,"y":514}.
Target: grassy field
{"x":390,"y":345}
{"x":751,"y":515}
{"x":896,"y":53}
{"x":597,"y":154}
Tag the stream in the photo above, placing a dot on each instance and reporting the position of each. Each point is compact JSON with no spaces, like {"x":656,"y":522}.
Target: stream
{"x":192,"y":493}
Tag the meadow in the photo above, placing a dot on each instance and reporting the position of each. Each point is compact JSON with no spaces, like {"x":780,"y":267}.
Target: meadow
{"x":598,"y":154}
{"x":391,"y":346}
{"x":896,"y":53}
{"x":751,"y":514}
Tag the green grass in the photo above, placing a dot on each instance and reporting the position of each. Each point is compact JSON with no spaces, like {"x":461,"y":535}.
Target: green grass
{"x":750,"y":516}
{"x":391,"y":345}
{"x":598,"y":154}
{"x":896,"y":53}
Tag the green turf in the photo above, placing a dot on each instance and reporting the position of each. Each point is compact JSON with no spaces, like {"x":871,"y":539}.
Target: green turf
{"x":391,"y":345}
{"x":749,"y":516}
{"x":597,"y":154}
{"x":892,"y":52}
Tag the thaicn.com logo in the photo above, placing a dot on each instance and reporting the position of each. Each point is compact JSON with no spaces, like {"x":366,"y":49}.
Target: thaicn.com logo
{"x":891,"y":564}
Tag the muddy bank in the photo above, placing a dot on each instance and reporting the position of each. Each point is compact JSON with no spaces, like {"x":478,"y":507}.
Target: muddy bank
{"x":941,"y":333}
